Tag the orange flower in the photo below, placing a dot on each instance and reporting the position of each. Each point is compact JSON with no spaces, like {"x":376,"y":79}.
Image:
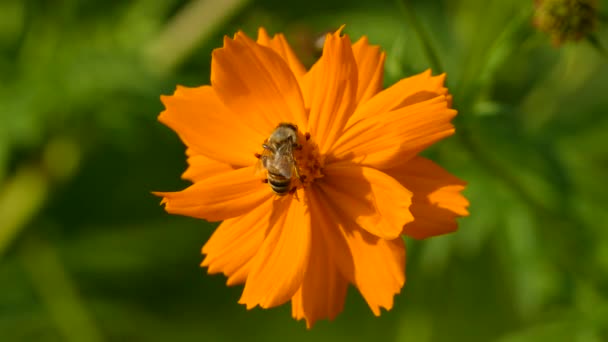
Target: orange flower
{"x":355,"y":182}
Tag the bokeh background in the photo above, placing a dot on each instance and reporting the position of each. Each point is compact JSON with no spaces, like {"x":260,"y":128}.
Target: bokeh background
{"x":87,"y":253}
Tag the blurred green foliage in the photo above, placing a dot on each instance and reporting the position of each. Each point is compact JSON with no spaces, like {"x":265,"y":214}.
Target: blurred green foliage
{"x":86,"y":253}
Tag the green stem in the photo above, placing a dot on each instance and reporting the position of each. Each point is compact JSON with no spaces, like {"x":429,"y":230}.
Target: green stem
{"x":57,"y":291}
{"x":195,"y":22}
{"x":499,"y":51}
{"x":493,"y":167}
{"x":595,"y":42}
{"x":429,"y":50}
{"x":23,"y":195}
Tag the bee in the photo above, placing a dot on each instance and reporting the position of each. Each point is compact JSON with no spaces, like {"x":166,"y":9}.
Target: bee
{"x":278,"y":159}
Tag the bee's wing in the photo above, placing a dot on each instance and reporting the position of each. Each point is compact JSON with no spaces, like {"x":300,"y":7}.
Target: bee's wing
{"x":282,"y":161}
{"x":281,"y":164}
{"x":260,"y":166}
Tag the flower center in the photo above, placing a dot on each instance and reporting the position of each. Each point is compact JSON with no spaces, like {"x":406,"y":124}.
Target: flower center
{"x":309,"y":161}
{"x":291,"y":160}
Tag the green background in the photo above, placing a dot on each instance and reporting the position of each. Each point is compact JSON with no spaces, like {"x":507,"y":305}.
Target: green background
{"x":87,"y":253}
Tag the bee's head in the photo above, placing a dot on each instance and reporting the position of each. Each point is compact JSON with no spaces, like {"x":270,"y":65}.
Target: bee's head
{"x":284,"y":132}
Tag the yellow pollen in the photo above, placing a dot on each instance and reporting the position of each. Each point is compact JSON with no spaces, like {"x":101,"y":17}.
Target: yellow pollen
{"x":308,"y":161}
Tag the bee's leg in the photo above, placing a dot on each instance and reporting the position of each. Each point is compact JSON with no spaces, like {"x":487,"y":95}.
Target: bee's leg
{"x":298,"y":147}
{"x":307,"y":136}
{"x":257,"y":155}
{"x":293,"y":191}
{"x":297,"y":171}
{"x":265,"y":180}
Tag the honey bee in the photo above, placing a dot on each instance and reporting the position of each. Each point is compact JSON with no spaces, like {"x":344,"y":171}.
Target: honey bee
{"x":278,"y":159}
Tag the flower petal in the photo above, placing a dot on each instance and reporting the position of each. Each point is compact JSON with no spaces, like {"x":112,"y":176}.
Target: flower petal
{"x":255,"y":82}
{"x":201,"y":167}
{"x":321,"y":295}
{"x":379,"y":267}
{"x":377,"y":202}
{"x":376,"y":266}
{"x":417,"y":88}
{"x":279,"y":44}
{"x":226,"y":195}
{"x":235,"y":242}
{"x":370,"y":64}
{"x":330,"y":89}
{"x":437,"y":199}
{"x":279,"y":267}
{"x":390,"y":138}
{"x":323,"y":290}
{"x":195,"y":115}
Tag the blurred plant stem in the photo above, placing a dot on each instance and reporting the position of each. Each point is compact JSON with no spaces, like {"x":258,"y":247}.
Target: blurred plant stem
{"x":195,"y":22}
{"x":427,"y":45}
{"x":25,"y":193}
{"x":595,"y":42}
{"x":57,"y":291}
{"x":502,"y":48}
{"x":474,"y":147}
{"x":513,"y":36}
{"x":21,"y":198}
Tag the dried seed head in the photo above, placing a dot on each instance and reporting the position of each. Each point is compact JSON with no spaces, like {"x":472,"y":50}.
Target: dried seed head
{"x":566,"y":20}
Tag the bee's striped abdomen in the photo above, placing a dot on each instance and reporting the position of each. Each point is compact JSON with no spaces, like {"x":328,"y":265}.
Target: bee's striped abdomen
{"x":278,"y":183}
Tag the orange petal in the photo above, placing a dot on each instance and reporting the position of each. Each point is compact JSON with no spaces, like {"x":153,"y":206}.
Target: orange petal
{"x":370,"y":64}
{"x":278,"y":268}
{"x":379,"y":267}
{"x":196,"y":113}
{"x":190,"y":152}
{"x":226,"y":195}
{"x":255,"y":82}
{"x":201,"y":167}
{"x":279,"y":44}
{"x":376,"y":266}
{"x":235,"y":242}
{"x":393,"y":137}
{"x":323,"y":290}
{"x":376,"y":201}
{"x":407,"y":91}
{"x":437,"y":199}
{"x":330,"y":89}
